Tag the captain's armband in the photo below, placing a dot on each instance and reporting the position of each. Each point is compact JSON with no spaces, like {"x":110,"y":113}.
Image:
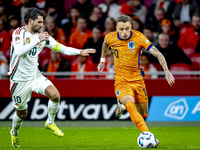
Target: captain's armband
{"x":57,"y":47}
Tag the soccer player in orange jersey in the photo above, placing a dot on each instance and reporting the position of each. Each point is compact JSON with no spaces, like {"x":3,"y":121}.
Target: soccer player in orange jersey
{"x":126,"y":45}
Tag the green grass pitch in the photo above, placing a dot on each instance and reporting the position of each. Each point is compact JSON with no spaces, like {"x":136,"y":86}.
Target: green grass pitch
{"x":104,"y":138}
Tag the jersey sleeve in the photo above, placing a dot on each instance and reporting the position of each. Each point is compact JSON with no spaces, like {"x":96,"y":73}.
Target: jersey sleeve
{"x":107,"y":39}
{"x":18,"y":38}
{"x":53,"y":44}
{"x":145,"y":43}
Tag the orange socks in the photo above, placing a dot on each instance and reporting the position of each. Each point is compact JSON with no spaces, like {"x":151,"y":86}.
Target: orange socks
{"x":136,"y":117}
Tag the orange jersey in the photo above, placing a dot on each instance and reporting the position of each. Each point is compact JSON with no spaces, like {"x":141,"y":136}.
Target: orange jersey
{"x":127,"y":54}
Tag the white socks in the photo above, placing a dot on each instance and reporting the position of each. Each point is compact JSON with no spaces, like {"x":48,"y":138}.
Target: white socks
{"x":52,"y":110}
{"x":16,"y":123}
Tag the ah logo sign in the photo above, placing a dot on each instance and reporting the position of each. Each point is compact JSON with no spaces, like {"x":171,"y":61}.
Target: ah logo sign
{"x":174,"y":108}
{"x":177,"y":109}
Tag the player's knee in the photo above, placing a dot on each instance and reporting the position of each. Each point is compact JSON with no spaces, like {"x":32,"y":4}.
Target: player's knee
{"x":126,"y":99}
{"x":22,"y":113}
{"x":55,"y":97}
{"x":23,"y":117}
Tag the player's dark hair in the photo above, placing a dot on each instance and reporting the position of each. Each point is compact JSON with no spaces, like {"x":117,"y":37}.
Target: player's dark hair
{"x":123,"y":18}
{"x":32,"y":13}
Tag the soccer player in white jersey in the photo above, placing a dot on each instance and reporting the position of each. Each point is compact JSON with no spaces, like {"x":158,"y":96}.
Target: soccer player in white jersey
{"x":25,"y":78}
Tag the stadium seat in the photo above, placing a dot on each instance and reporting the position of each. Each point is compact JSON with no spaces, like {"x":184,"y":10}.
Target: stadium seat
{"x":195,"y":58}
{"x":157,"y":66}
{"x":188,"y":51}
{"x":180,"y":67}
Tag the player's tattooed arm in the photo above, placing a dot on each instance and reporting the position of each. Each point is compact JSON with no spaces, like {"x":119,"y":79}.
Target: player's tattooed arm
{"x":155,"y":52}
{"x":104,"y":51}
{"x":169,"y":77}
{"x":105,"y":48}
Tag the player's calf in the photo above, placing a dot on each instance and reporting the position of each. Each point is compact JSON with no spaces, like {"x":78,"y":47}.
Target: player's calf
{"x":52,"y":93}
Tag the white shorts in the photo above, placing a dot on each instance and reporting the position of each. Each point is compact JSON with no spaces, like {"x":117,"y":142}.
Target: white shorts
{"x":21,"y":91}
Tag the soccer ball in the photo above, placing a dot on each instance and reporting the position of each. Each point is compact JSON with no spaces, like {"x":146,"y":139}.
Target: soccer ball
{"x":146,"y":140}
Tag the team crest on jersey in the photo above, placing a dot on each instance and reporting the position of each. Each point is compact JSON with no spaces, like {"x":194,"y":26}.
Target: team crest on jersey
{"x":28,"y":40}
{"x":118,"y":92}
{"x":17,"y":38}
{"x":131,"y":46}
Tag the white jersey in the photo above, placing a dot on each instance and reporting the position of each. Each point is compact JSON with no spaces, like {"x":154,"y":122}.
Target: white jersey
{"x":25,"y":67}
{"x":25,"y":49}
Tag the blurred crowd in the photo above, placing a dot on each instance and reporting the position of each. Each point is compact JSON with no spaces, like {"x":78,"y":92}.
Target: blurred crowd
{"x":173,"y":26}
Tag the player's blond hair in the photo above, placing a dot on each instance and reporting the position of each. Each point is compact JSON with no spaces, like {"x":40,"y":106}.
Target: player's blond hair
{"x":123,"y":18}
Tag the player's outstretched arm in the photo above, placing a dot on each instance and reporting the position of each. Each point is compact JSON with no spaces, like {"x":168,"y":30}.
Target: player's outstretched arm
{"x":86,"y":52}
{"x":53,"y":44}
{"x":73,"y":51}
{"x":169,"y":77}
{"x":103,"y":56}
